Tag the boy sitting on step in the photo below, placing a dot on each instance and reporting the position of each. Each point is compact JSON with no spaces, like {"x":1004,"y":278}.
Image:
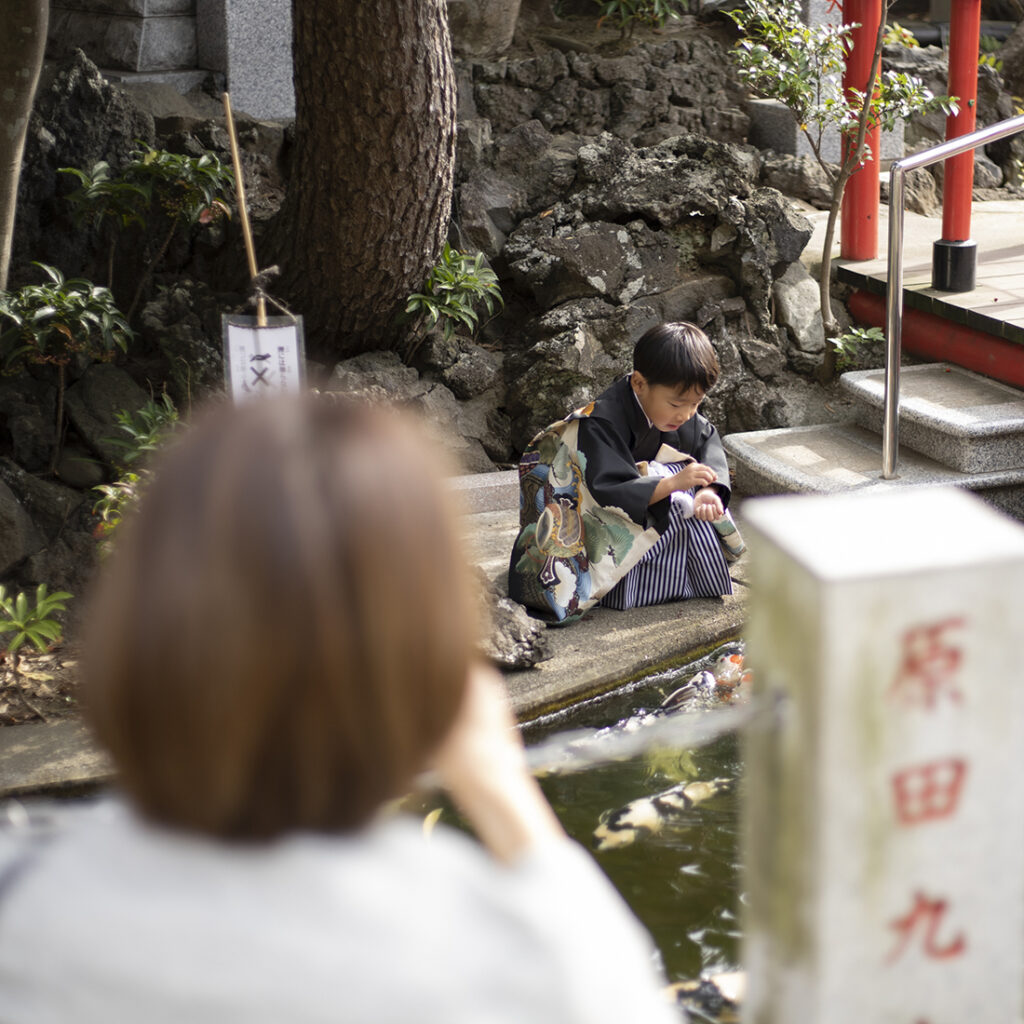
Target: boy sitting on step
{"x":623,"y":502}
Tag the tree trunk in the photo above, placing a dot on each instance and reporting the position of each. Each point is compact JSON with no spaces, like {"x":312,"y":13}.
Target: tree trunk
{"x":828,"y":321}
{"x":369,"y":198}
{"x":22,"y":43}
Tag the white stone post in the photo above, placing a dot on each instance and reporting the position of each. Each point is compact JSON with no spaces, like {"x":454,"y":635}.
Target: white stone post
{"x":884,"y":802}
{"x":251,"y":42}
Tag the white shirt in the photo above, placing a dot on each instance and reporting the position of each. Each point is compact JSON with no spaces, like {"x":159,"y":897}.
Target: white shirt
{"x":112,"y":921}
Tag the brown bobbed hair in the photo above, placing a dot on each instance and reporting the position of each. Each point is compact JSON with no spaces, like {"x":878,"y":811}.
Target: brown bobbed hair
{"x":281,"y":637}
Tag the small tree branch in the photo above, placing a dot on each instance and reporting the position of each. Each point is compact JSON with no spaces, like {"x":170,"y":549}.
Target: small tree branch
{"x":150,"y":267}
{"x":59,"y":428}
{"x":851,"y":162}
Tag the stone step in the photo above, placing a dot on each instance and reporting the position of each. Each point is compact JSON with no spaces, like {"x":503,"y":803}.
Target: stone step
{"x":963,"y":420}
{"x":488,"y":492}
{"x":125,"y":41}
{"x":839,"y":457}
{"x":138,"y":8}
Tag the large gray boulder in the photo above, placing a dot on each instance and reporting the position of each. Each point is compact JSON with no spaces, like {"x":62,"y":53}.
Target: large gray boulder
{"x":582,"y":347}
{"x":482,"y":28}
{"x":524,"y":171}
{"x":798,"y":306}
{"x":800,"y":177}
{"x":19,"y":537}
{"x":92,"y":404}
{"x":183,"y":323}
{"x":468,"y":431}
{"x":50,"y":505}
{"x":27,"y":425}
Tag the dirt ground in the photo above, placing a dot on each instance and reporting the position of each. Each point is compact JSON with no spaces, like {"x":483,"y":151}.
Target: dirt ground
{"x":38,"y":687}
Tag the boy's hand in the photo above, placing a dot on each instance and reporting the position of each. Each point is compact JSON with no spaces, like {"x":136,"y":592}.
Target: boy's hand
{"x":707,"y":505}
{"x":693,"y":475}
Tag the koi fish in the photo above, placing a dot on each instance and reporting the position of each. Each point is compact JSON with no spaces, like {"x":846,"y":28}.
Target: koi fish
{"x":703,"y":685}
{"x":648,"y":815}
{"x":728,"y":670}
{"x":715,"y":996}
{"x":721,"y":681}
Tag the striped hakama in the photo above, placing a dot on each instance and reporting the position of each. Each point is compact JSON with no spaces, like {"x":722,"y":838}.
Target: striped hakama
{"x":687,"y":561}
{"x":589,"y":532}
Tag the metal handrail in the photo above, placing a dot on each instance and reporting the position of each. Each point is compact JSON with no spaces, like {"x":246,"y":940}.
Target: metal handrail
{"x":894,"y":283}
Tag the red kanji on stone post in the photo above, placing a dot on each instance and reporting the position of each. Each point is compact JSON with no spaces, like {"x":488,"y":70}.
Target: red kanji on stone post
{"x":924,"y":920}
{"x":928,"y":792}
{"x":929,"y":665}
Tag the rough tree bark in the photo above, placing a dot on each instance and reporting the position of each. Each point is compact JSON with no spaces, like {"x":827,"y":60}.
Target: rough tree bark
{"x":369,"y":198}
{"x":22,"y":41}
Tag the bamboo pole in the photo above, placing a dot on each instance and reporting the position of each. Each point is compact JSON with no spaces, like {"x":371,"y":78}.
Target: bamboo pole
{"x":243,"y":210}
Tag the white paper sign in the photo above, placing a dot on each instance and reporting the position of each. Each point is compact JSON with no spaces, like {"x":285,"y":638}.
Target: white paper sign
{"x":263,"y":360}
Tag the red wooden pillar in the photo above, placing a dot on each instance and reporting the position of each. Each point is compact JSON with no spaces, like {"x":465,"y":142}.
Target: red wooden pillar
{"x":858,"y":233}
{"x":954,"y":256}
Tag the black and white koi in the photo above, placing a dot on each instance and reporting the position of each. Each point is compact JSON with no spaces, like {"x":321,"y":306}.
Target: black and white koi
{"x":721,"y":682}
{"x":648,"y":815}
{"x":716,"y":997}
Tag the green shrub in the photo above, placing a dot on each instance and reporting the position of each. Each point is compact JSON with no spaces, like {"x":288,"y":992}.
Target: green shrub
{"x":455,"y":287}
{"x":31,"y":623}
{"x":148,"y":429}
{"x":627,"y":14}
{"x":897,"y":35}
{"x":52,"y":323}
{"x":853,"y":343}
{"x":186,"y":190}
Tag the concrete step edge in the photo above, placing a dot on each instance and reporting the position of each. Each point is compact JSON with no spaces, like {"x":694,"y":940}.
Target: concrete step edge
{"x":867,"y":388}
{"x":915,"y":469}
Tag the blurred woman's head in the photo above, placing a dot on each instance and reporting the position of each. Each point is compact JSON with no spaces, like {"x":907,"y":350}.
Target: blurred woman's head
{"x":282,"y":635}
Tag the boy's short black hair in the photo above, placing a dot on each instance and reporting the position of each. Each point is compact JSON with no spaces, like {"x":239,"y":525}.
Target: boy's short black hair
{"x":679,"y":355}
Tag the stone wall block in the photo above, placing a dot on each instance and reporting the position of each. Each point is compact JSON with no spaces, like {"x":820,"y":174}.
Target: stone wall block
{"x":480,"y":419}
{"x":473,"y":141}
{"x":683,"y":301}
{"x":505,"y":105}
{"x":50,"y":505}
{"x":541,"y":165}
{"x":92,"y":404}
{"x":125,"y":42}
{"x":382,"y":377}
{"x":798,"y":308}
{"x":474,"y":372}
{"x":801,"y":177}
{"x":19,"y":537}
{"x":482,"y":28}
{"x":476,"y":222}
{"x":27,"y":424}
{"x":596,"y":261}
{"x":766,"y":361}
{"x":138,"y":8}
{"x":259,"y":58}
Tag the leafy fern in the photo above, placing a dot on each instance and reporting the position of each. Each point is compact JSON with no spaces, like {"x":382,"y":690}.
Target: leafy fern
{"x":32,"y":623}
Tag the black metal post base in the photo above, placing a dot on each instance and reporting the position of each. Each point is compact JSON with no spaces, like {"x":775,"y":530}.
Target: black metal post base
{"x":953,"y":265}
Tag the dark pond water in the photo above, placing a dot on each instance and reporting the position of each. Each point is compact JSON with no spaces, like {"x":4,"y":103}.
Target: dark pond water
{"x":683,"y":881}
